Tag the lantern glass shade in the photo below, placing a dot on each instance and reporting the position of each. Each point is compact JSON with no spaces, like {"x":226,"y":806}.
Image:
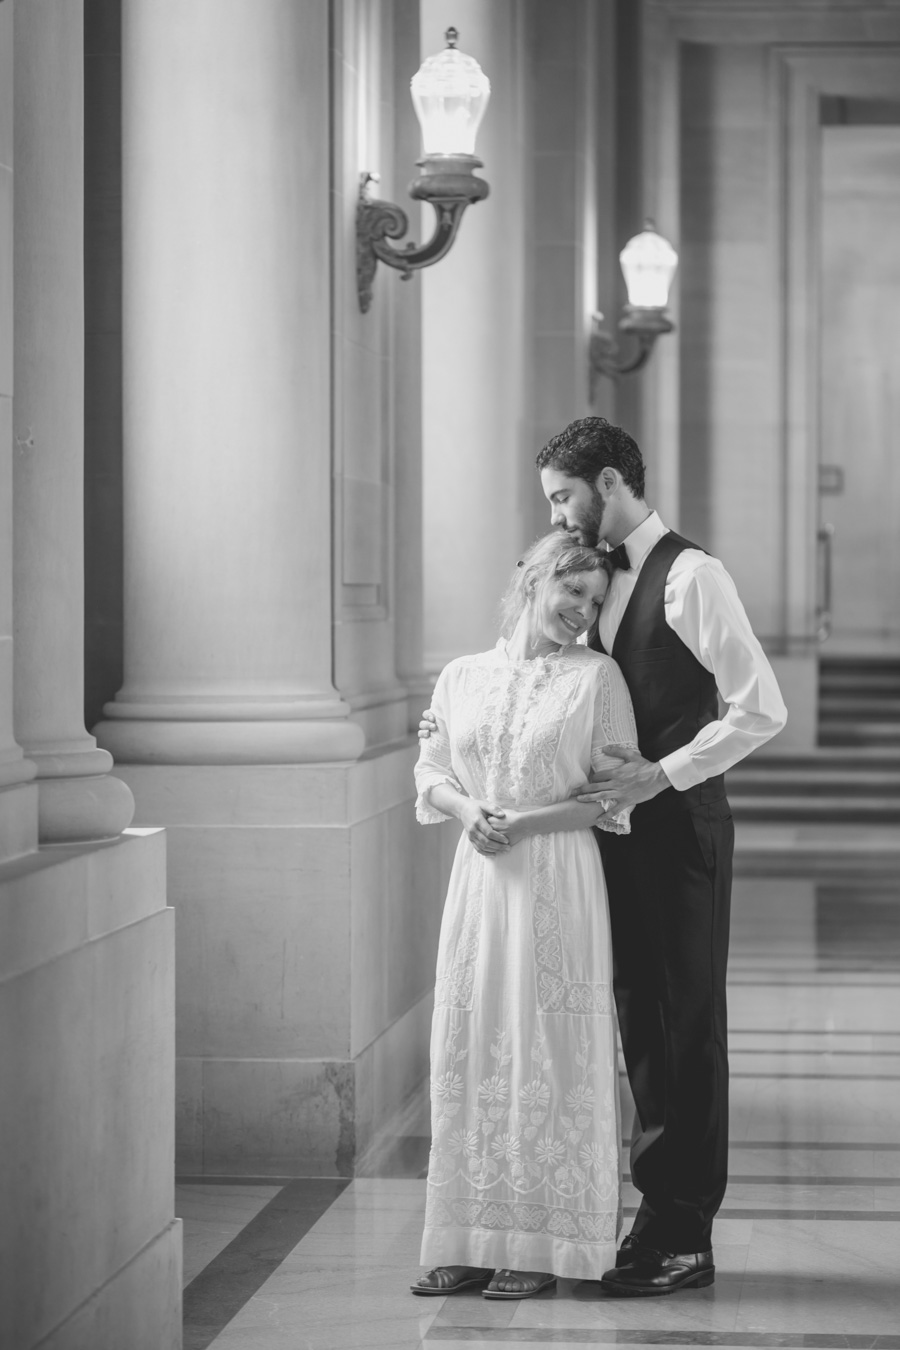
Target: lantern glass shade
{"x":648,"y":264}
{"x":450,"y":92}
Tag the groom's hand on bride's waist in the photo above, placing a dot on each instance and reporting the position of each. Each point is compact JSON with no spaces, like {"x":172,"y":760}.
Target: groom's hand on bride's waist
{"x":428,"y":725}
{"x":630,"y":780}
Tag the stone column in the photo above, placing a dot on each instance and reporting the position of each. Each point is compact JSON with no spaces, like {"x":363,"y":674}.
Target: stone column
{"x":478,"y":475}
{"x":18,"y":797}
{"x":78,"y":799}
{"x":227,"y":477}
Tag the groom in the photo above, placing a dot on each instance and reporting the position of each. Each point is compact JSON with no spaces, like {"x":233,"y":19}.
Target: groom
{"x":673,"y":621}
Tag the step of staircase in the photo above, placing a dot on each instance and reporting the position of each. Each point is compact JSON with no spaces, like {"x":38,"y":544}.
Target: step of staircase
{"x":859,"y":665}
{"x":840,"y":785}
{"x":853,"y":778}
{"x":880,"y":760}
{"x":813,"y":783}
{"x":858,"y":732}
{"x":847,"y":707}
{"x":838,"y":808}
{"x":863,"y":681}
{"x":817,"y":850}
{"x":859,"y":702}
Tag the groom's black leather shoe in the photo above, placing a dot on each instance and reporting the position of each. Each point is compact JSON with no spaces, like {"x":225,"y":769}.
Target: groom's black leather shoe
{"x":652,"y":1272}
{"x":630,"y":1249}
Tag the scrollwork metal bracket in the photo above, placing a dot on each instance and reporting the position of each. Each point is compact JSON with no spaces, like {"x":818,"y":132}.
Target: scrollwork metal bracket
{"x":449,"y":184}
{"x":605,"y":353}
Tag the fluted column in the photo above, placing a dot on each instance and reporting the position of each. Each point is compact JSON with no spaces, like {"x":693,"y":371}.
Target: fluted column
{"x":18,"y":797}
{"x":78,"y":799}
{"x":228,"y":600}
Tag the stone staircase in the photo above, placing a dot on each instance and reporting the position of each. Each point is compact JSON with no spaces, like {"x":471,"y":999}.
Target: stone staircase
{"x":859,"y":703}
{"x":853,"y":777}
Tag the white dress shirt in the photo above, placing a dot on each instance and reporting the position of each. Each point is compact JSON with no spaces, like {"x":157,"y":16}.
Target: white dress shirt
{"x":702,"y":607}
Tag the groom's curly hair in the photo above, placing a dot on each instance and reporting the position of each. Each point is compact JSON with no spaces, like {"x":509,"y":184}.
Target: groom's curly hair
{"x":588,"y":446}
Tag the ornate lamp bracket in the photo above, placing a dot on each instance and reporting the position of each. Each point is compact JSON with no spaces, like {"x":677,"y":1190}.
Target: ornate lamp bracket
{"x":449,"y":183}
{"x":604,"y":352}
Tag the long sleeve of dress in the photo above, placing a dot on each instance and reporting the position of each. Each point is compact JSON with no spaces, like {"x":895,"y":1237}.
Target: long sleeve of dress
{"x":613,"y":725}
{"x":435,"y":761}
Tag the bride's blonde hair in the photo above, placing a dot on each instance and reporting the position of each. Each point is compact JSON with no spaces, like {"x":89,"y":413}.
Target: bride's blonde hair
{"x":553,"y":555}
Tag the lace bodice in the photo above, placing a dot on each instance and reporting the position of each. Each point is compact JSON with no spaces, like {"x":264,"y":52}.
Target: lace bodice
{"x":523,"y":733}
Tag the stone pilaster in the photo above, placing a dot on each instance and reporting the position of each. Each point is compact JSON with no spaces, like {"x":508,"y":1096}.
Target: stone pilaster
{"x":78,"y":799}
{"x":18,"y":796}
{"x":227,"y":477}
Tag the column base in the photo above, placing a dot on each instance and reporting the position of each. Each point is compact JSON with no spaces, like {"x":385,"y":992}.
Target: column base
{"x":79,"y":800}
{"x":18,"y":820}
{"x":18,"y":803}
{"x":250,"y":742}
{"x":299,"y":1117}
{"x":308,"y":903}
{"x":15,"y":768}
{"x":83,"y":810}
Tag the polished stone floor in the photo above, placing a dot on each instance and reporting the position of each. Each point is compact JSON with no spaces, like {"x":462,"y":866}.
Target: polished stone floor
{"x":807,"y":1243}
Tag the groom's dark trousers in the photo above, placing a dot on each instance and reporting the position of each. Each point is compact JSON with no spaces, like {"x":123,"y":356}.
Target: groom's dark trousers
{"x":669,"y":885}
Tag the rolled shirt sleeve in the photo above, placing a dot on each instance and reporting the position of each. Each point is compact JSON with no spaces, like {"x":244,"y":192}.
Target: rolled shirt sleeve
{"x":703,"y":607}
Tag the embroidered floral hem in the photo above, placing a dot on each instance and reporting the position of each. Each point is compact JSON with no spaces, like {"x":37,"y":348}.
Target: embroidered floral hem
{"x":499,"y":1250}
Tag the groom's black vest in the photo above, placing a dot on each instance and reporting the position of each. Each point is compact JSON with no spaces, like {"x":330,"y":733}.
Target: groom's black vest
{"x":674,"y":697}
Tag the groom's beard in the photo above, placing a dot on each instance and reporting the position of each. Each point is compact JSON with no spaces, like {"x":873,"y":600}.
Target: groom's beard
{"x":587,"y":530}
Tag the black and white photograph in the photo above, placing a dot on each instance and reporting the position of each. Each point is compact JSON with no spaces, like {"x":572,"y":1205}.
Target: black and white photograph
{"x":449,"y":674}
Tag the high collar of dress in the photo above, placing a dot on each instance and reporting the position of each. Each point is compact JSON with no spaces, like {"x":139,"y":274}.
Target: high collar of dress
{"x":502,"y":649}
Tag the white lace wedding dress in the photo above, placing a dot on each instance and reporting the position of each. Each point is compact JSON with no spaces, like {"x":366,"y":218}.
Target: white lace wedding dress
{"x":524,"y":1170}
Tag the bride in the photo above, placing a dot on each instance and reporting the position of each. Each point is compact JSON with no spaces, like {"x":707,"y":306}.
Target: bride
{"x":524,"y":1172}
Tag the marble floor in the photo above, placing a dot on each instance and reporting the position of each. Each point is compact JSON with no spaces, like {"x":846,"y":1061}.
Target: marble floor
{"x":808,"y":1240}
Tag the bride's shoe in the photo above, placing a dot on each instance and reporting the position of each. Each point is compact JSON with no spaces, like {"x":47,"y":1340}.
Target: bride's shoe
{"x":530,"y":1282}
{"x":449,"y":1280}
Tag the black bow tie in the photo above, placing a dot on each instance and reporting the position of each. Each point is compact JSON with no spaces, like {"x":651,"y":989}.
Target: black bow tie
{"x":619,"y":557}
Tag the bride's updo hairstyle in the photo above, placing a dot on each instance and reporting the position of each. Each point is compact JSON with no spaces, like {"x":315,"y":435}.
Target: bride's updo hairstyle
{"x":553,"y":555}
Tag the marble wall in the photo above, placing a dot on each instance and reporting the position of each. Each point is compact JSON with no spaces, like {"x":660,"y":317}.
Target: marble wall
{"x":476,"y":476}
{"x":730,"y":399}
{"x":507,"y":314}
{"x":90,"y":1253}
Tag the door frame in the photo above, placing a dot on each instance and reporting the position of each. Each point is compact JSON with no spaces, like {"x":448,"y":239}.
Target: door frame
{"x":803,"y":78}
{"x":813,"y":51}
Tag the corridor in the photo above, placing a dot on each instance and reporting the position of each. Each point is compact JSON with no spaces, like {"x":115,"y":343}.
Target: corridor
{"x":807,"y":1243}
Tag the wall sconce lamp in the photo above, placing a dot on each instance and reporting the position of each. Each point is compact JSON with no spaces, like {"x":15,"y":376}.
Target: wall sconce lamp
{"x":450,"y":93}
{"x":648,"y":264}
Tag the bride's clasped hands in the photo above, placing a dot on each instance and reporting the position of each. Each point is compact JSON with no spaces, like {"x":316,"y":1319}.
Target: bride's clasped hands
{"x":481,"y":824}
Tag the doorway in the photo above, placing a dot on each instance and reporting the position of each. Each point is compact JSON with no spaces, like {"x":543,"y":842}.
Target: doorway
{"x":859,"y":444}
